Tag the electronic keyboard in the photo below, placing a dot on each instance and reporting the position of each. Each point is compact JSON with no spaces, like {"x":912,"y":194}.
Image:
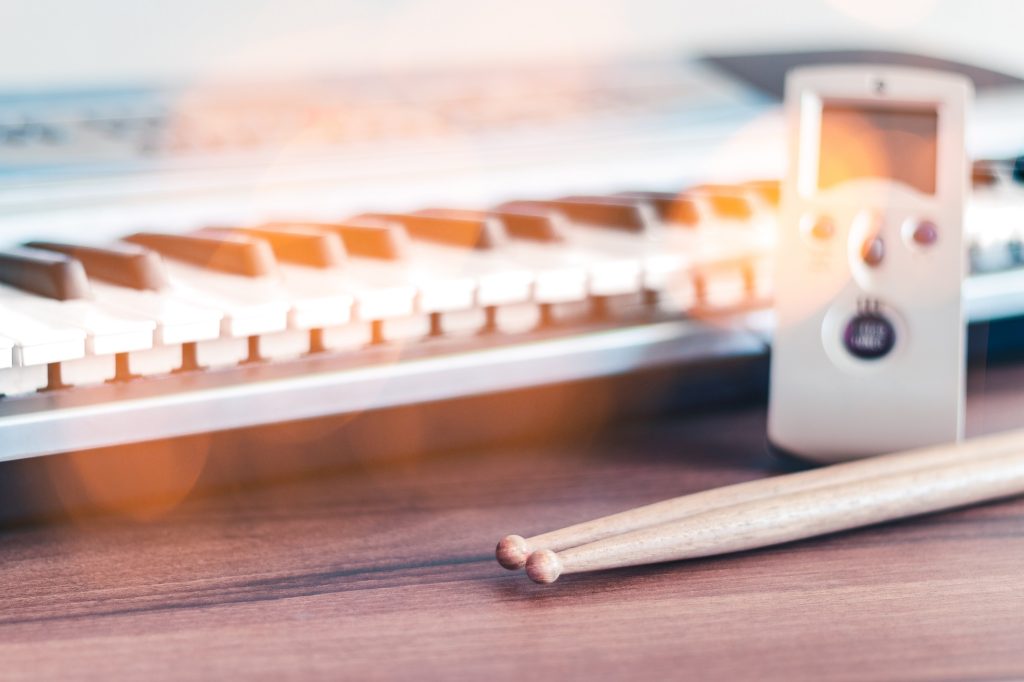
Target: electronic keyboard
{"x":182,"y":262}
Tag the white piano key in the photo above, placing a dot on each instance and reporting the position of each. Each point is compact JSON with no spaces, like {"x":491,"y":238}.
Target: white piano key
{"x":437,"y":290}
{"x":560,"y":285}
{"x":381,"y":289}
{"x":625,"y":306}
{"x":162,"y":359}
{"x":559,"y":275}
{"x":718,"y":240}
{"x":384,"y":303}
{"x":315,"y":312}
{"x":498,"y":279}
{"x":286,"y":345}
{"x":679,"y":295}
{"x":352,"y":336}
{"x":320,"y":297}
{"x":613,"y":278}
{"x":724,"y":256}
{"x":249,"y":305}
{"x":442,"y":295}
{"x":403,"y":329}
{"x":723,"y":287}
{"x":614,"y":264}
{"x":657,"y":261}
{"x":176,"y":321}
{"x":34,"y":344}
{"x":571,"y":312}
{"x":763,"y":273}
{"x":21,"y":380}
{"x":107,"y":331}
{"x":92,"y":369}
{"x":507,"y":268}
{"x":374,"y":274}
{"x":609,"y":275}
{"x":223,"y":352}
{"x":519,"y":318}
{"x":566,"y":272}
{"x":464,"y":322}
{"x":38,"y":341}
{"x":455,"y":246}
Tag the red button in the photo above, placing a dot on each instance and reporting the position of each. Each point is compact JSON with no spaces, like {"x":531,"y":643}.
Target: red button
{"x":926,"y":233}
{"x":823,"y":228}
{"x":872,"y":252}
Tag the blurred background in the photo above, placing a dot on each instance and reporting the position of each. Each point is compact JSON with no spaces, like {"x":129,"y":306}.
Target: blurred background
{"x":54,"y":42}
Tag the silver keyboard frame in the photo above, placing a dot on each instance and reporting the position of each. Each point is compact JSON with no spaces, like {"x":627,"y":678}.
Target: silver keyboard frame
{"x":197,"y":402}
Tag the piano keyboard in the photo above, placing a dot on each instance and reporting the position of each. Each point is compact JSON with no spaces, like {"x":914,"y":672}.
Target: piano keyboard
{"x":167,"y":333}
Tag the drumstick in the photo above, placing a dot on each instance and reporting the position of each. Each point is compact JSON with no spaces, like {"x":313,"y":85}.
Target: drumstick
{"x":802,"y":514}
{"x":513,"y":550}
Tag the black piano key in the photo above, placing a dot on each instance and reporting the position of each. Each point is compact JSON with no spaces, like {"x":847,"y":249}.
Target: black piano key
{"x":619,"y":213}
{"x":364,"y":237}
{"x":46,"y":273}
{"x":235,"y":254}
{"x":605,"y":211}
{"x":670,"y":207}
{"x":769,"y":190}
{"x":470,"y":233}
{"x":126,"y":265}
{"x":727,"y":201}
{"x":536,"y":225}
{"x":295,"y":244}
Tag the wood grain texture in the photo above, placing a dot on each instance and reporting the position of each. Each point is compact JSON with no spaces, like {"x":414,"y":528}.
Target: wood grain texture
{"x":383,"y":572}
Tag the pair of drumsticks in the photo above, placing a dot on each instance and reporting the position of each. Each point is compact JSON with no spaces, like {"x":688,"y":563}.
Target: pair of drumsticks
{"x":779,"y":509}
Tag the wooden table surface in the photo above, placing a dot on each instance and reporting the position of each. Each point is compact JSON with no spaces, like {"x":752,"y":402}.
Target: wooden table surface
{"x":387,"y":571}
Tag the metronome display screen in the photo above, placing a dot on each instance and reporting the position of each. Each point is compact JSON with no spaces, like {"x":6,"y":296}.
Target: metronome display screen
{"x":870,"y":141}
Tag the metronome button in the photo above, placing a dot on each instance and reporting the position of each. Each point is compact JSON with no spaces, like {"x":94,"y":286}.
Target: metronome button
{"x":820,"y":228}
{"x":869,"y":336}
{"x":925,"y":233}
{"x":823,"y":228}
{"x":872,"y":252}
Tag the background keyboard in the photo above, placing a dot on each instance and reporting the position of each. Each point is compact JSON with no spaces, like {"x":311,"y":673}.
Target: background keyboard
{"x":161,"y":278}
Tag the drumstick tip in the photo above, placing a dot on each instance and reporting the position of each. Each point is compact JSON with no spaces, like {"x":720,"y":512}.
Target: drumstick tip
{"x":544,"y":566}
{"x":512,"y":552}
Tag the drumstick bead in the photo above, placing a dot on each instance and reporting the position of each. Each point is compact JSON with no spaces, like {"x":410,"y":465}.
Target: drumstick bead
{"x":512,"y":551}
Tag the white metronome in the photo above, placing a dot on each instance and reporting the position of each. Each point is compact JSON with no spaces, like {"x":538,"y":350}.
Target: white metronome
{"x":868,"y":353}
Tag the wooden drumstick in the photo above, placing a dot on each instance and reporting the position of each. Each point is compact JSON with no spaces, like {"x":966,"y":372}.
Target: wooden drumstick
{"x":802,"y":514}
{"x":513,"y":550}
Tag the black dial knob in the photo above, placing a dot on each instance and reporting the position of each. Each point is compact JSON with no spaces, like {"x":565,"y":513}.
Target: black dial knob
{"x":869,"y":336}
